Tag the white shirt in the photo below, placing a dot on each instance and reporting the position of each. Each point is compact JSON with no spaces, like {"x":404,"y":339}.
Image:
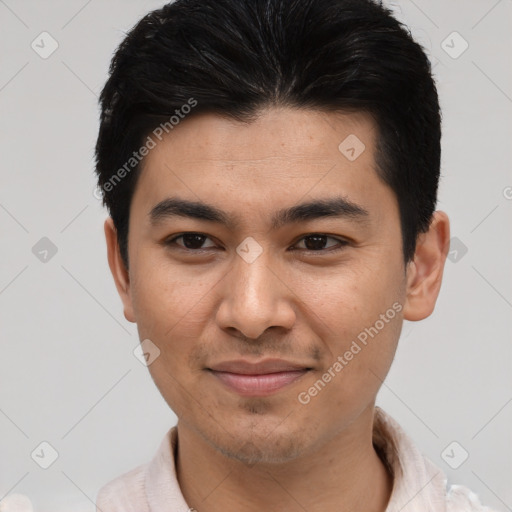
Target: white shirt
{"x":419,"y":486}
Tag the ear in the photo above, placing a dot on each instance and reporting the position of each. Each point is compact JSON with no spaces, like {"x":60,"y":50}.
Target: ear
{"x":118,"y":269}
{"x":425,"y":271}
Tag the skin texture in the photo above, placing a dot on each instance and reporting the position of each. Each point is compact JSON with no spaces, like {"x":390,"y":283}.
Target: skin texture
{"x":202,"y":308}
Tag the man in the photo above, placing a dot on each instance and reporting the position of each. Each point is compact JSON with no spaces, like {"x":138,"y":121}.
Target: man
{"x":271,"y":172}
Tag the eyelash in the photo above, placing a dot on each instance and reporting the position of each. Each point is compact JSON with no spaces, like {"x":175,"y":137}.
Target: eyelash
{"x":342,"y":243}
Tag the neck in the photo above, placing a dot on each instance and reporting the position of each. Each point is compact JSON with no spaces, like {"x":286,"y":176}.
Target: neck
{"x":336,"y":476}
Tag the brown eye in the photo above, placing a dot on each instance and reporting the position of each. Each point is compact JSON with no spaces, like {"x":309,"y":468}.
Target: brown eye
{"x":317,"y":242}
{"x":191,"y":241}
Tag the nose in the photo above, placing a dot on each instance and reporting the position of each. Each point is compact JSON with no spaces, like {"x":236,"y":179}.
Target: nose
{"x":255,"y":298}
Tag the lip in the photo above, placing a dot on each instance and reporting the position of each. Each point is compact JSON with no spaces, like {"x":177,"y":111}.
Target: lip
{"x":243,"y":367}
{"x":258,"y":379}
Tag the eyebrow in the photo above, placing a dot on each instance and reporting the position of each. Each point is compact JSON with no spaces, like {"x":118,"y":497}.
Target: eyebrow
{"x":339,"y":207}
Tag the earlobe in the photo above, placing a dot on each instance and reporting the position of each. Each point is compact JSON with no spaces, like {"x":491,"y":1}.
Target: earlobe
{"x":117,"y":268}
{"x":425,"y":272}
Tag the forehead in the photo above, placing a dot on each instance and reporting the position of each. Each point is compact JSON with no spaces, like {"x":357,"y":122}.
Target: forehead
{"x":280,"y":133}
{"x":281,"y":157}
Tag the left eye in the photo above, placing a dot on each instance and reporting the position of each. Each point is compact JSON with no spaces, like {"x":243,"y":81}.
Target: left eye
{"x":316,"y":242}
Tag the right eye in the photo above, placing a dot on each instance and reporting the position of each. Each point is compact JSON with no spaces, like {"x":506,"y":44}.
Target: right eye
{"x":191,"y":241}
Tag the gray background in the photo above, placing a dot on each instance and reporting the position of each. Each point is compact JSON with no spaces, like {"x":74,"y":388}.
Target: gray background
{"x":68,"y":375}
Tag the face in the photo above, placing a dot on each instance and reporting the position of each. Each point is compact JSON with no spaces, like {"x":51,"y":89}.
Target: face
{"x":316,"y":295}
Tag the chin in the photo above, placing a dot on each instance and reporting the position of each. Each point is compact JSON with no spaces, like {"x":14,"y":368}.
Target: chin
{"x":258,"y":440}
{"x":261,"y":450}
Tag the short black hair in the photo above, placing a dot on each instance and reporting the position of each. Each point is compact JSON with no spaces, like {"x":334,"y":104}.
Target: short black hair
{"x":237,"y":57}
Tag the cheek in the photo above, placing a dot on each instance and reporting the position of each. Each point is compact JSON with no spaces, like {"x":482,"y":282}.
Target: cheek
{"x":173,"y":306}
{"x":347,"y":299}
{"x":165,"y":296}
{"x":354,"y":370}
{"x":358,"y":318}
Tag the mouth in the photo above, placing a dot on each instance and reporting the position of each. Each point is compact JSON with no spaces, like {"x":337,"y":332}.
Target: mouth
{"x":257,"y":379}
